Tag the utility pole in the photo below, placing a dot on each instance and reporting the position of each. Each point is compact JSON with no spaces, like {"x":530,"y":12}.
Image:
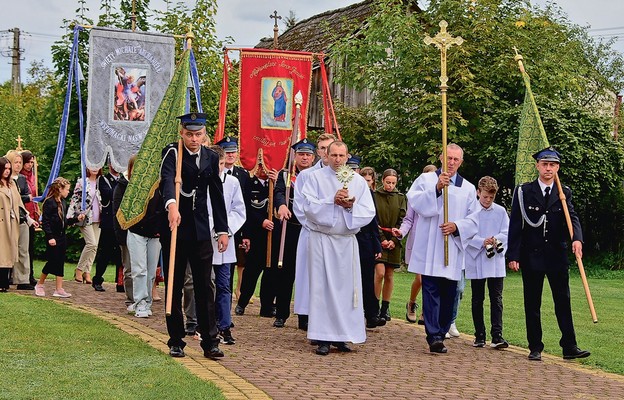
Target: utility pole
{"x":16,"y":81}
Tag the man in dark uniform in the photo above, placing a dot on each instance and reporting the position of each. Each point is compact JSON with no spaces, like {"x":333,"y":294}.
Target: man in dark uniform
{"x":241,"y":240}
{"x":538,"y":235}
{"x":284,"y":276}
{"x":200,"y":174}
{"x":108,"y":249}
{"x":256,"y":227}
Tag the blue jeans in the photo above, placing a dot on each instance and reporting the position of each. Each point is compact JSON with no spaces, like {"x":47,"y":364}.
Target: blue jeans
{"x":144,"y":257}
{"x":461,"y":286}
{"x":224,"y":296}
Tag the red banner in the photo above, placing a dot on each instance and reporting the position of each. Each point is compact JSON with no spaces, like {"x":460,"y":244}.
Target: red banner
{"x":269,"y":81}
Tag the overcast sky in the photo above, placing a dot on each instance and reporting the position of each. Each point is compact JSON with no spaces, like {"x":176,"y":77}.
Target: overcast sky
{"x":244,"y":20}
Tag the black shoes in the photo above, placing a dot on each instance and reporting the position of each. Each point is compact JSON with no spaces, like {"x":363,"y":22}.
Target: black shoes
{"x":268,"y":314}
{"x":342,"y":346}
{"x":535,"y":356}
{"x":478,"y":342}
{"x":385,"y":315}
{"x":25,"y":286}
{"x":499,"y":343}
{"x":437,"y":347}
{"x":323,"y":349}
{"x":98,"y":287}
{"x":375,"y":322}
{"x":575,"y":352}
{"x":279,"y":323}
{"x":226,"y":337}
{"x":213,"y":352}
{"x":239,"y":310}
{"x":176,"y":351}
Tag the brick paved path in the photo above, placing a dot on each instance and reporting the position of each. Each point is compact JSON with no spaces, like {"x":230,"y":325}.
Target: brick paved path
{"x":394,"y":363}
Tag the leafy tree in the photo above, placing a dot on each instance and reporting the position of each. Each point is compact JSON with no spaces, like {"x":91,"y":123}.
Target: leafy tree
{"x":291,"y":20}
{"x":573,"y":79}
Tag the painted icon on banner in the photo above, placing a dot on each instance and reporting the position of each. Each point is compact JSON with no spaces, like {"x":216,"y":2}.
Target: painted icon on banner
{"x":130,"y":91}
{"x":277,"y":94}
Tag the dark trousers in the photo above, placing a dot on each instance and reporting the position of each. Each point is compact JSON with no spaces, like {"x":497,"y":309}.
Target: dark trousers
{"x":198,"y":254}
{"x":4,"y":278}
{"x":31,"y":250}
{"x":369,"y":300}
{"x":284,"y":277}
{"x":254,"y":266}
{"x":495,"y":290}
{"x":55,"y":256}
{"x":533,"y":284}
{"x":107,"y":251}
{"x":438,"y":299}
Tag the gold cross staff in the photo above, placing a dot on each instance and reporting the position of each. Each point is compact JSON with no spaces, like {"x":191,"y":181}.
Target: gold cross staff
{"x":19,"y":143}
{"x":443,"y":41}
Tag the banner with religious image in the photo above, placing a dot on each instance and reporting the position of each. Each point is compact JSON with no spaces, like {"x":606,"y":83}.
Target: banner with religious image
{"x":268,"y":82}
{"x":128,"y":75}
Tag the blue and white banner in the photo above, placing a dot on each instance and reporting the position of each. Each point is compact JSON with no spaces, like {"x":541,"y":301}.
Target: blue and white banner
{"x":128,"y":75}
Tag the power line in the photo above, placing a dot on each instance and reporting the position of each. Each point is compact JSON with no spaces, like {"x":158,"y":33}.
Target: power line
{"x":605,"y":29}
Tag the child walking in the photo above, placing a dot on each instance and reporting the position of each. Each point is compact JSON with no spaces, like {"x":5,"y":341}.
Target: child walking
{"x":54,"y":223}
{"x":485,"y":263}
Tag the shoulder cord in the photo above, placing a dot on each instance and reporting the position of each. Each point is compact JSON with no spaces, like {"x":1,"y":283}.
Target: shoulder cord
{"x":523,"y":211}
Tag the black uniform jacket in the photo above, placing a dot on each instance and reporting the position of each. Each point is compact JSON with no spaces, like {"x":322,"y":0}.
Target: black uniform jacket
{"x":196,"y":182}
{"x":543,"y":248}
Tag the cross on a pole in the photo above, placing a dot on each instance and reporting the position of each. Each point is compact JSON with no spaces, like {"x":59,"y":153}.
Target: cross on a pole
{"x":275,"y":28}
{"x":443,"y":41}
{"x":19,"y":143}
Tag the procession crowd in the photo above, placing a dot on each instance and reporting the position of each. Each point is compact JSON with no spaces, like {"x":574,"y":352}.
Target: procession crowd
{"x":334,"y":239}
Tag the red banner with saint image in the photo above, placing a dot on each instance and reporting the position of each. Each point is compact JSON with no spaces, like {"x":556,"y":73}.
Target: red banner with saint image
{"x":269,"y":81}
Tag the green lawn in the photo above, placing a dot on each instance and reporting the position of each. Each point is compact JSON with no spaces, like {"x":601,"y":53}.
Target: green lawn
{"x":53,"y":352}
{"x":604,"y":339}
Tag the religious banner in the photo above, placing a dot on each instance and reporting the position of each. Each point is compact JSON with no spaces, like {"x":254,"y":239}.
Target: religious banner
{"x":268,"y":82}
{"x":128,"y":75}
{"x":532,"y":136}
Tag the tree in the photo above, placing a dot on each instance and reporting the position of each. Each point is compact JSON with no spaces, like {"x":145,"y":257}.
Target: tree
{"x":291,"y":20}
{"x":573,"y":79}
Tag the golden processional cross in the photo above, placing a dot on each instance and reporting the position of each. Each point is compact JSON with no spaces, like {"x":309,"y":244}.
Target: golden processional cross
{"x":443,"y":41}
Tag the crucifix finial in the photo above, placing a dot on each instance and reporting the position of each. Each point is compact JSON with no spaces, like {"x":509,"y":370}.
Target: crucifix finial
{"x":443,"y":41}
{"x":275,"y":28}
{"x":19,"y":143}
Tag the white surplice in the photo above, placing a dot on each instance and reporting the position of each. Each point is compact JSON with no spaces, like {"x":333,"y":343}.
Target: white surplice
{"x":236,"y":215}
{"x":336,"y":312}
{"x":302,"y":284}
{"x":428,"y":251}
{"x":493,"y":221}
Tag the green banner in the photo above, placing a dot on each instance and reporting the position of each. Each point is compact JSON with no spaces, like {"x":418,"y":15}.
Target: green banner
{"x":163,"y":130}
{"x":532,"y":137}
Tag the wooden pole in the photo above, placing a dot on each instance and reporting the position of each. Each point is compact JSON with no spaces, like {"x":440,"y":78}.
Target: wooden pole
{"x":270,"y":218}
{"x":174,"y":232}
{"x":579,"y":261}
{"x":443,"y":40}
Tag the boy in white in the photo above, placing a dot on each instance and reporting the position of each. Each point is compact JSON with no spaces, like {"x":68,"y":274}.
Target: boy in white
{"x":236,"y":215}
{"x":485,"y":262}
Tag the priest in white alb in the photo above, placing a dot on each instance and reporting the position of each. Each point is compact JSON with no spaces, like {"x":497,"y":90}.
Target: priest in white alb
{"x":336,"y":203}
{"x":439,"y":281}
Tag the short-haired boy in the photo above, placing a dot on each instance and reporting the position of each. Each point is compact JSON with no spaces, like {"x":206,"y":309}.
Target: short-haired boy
{"x":485,"y":263}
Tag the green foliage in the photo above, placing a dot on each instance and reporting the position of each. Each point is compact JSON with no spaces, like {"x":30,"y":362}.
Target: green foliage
{"x":573,"y":79}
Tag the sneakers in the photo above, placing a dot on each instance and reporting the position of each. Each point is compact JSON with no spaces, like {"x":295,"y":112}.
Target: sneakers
{"x":499,"y":343}
{"x":478,"y":342}
{"x":141,"y":310}
{"x":61,"y":293}
{"x":226,"y":337}
{"x":453,"y":330}
{"x":385,"y":314}
{"x":39,"y":290}
{"x":238,"y":310}
{"x":131,"y":308}
{"x":410,"y":312}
